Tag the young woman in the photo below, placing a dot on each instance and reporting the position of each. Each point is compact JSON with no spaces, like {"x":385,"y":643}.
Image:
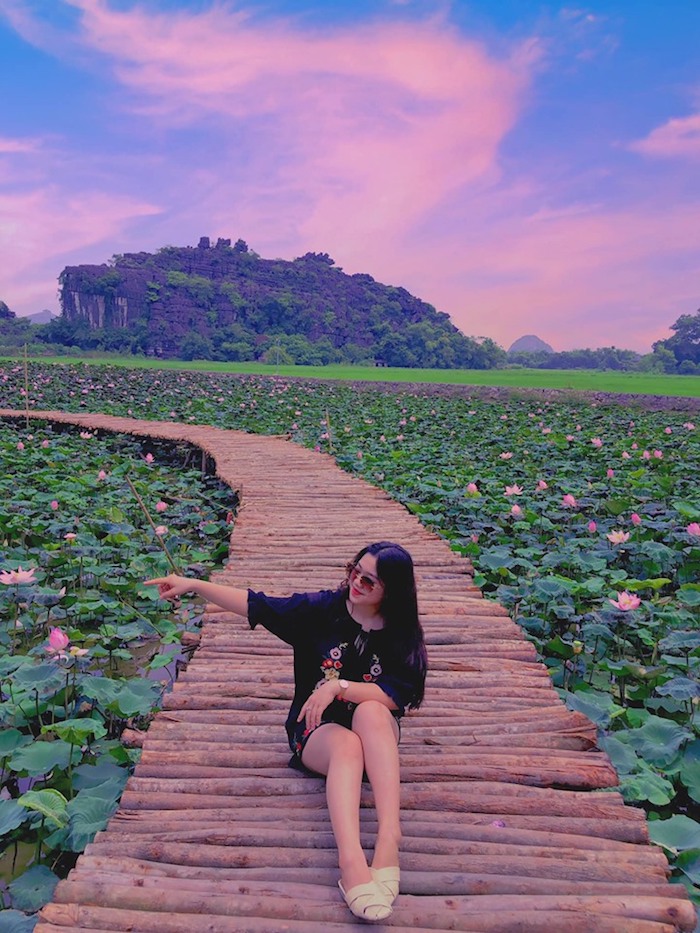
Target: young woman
{"x":359,"y":663}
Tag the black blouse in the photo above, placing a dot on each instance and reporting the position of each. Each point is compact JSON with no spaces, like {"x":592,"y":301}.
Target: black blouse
{"x":328,"y":643}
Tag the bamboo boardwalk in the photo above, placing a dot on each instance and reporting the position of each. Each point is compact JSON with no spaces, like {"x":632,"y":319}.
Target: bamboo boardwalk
{"x":509,"y":820}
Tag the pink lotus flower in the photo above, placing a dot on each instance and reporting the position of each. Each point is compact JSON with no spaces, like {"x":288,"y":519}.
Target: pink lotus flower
{"x":569,"y":501}
{"x":618,"y":537}
{"x":693,"y":529}
{"x":546,"y":430}
{"x":625,"y":455}
{"x":161,"y":530}
{"x":635,"y":446}
{"x":592,"y":527}
{"x":149,"y":458}
{"x":102,"y":475}
{"x":610,"y":473}
{"x":569,"y":437}
{"x":646,"y":455}
{"x":506,"y":455}
{"x":161,"y":506}
{"x":689,"y":425}
{"x":658,"y":454}
{"x":44,"y":443}
{"x":58,"y":641}
{"x":514,"y":490}
{"x":76,"y":652}
{"x":626,"y":601}
{"x":516,"y":511}
{"x":85,"y":435}
{"x":668,"y":430}
{"x":359,"y":455}
{"x":20,"y":445}
{"x":596,"y":441}
{"x":70,"y":536}
{"x":54,"y":505}
{"x":472,"y":489}
{"x":17,"y":577}
{"x":541,"y":485}
{"x":635,"y":519}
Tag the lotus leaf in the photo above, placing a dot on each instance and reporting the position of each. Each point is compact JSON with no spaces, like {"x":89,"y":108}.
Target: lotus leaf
{"x":12,"y":815}
{"x":43,"y":678}
{"x":689,"y":864}
{"x":77,"y":731}
{"x":34,"y":888}
{"x":134,"y":698}
{"x":680,"y":641}
{"x":647,"y":785}
{"x":11,"y":740}
{"x":89,"y":813}
{"x":690,"y":769}
{"x":658,"y":740}
{"x":599,"y":707}
{"x":622,"y":756}
{"x":680,"y":688}
{"x":40,"y":758}
{"x":688,"y":596}
{"x":14,"y":921}
{"x":677,"y":834}
{"x":49,"y":802}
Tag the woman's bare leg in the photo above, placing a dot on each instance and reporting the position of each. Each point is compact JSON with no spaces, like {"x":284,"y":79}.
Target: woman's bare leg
{"x":336,"y":752}
{"x":379,"y":734}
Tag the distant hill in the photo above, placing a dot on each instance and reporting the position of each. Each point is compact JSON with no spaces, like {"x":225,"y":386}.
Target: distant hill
{"x":529,"y":344}
{"x":41,"y":317}
{"x":226,"y":302}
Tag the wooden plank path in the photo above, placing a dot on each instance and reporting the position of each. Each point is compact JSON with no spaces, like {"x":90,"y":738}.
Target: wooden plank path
{"x":508,"y":823}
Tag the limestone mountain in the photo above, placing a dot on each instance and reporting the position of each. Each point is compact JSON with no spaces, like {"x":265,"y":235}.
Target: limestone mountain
{"x":529,"y":344}
{"x":218,"y":301}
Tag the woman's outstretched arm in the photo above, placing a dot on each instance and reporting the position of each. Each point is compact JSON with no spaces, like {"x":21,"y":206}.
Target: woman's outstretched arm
{"x":230,"y":598}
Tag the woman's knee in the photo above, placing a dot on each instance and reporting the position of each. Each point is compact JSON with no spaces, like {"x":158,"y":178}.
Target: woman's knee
{"x":374,"y":715}
{"x":331,"y":742}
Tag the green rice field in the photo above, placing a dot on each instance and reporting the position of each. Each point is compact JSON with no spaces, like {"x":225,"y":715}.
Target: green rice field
{"x":577,"y":380}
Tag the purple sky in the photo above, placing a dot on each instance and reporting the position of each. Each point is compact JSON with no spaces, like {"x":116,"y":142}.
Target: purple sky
{"x":526,"y":167}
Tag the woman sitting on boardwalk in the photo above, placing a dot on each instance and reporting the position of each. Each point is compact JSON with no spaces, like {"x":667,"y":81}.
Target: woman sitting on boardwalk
{"x":359,"y":663}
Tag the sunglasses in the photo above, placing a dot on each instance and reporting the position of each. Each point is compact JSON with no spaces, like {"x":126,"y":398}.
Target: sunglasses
{"x":361,"y":580}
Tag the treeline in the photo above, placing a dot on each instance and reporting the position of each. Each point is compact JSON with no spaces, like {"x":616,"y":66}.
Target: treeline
{"x":677,"y":355}
{"x":417,"y":345}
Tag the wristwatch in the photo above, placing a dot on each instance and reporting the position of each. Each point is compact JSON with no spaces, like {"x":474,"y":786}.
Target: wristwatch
{"x":343,"y":684}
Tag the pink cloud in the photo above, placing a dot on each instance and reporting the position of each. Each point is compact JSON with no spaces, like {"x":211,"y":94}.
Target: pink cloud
{"x":379,"y":143}
{"x":375,"y":124}
{"x":10,"y":146}
{"x":43,"y":226}
{"x":587,"y":277}
{"x":677,"y":138}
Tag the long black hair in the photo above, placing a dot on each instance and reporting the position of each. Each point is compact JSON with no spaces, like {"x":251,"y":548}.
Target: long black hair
{"x":399,"y":609}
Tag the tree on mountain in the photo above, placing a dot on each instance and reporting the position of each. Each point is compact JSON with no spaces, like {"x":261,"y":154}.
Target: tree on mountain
{"x":5,"y":313}
{"x":685,"y":342}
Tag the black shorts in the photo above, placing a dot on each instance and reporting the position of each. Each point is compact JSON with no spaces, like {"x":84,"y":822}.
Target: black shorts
{"x":339,"y":713}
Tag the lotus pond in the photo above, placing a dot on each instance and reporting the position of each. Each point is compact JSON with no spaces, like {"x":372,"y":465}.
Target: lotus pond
{"x":85,"y":648}
{"x":582,"y":518}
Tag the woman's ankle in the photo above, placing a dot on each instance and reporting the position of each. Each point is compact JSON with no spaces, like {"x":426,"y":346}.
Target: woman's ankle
{"x":354,"y":870}
{"x":386,"y":850}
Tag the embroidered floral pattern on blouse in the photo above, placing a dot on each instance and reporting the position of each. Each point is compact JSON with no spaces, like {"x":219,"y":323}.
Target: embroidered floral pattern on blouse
{"x":374,"y":671}
{"x":332,"y":664}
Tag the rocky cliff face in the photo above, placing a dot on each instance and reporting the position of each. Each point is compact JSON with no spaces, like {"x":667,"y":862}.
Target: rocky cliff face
{"x":208,"y":289}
